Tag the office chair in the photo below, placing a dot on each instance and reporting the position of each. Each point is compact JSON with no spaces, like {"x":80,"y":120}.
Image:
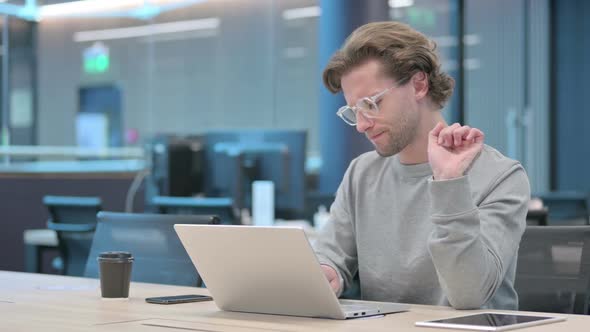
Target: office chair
{"x":159,"y":256}
{"x":74,"y":221}
{"x":553,"y":269}
{"x":566,"y":207}
{"x":222,"y":207}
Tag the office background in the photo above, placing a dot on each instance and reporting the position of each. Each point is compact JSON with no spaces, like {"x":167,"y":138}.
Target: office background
{"x":117,"y":74}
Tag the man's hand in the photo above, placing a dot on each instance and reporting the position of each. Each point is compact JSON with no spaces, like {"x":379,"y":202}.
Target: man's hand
{"x":332,"y":277}
{"x":452,"y":149}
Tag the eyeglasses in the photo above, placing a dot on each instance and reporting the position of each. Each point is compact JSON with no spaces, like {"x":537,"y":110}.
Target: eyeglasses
{"x":366,"y":106}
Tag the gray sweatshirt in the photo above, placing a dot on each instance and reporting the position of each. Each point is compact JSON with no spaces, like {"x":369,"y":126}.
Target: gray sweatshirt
{"x":415,"y":240}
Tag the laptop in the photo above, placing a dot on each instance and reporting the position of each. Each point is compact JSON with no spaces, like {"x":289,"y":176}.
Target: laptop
{"x":268,"y":270}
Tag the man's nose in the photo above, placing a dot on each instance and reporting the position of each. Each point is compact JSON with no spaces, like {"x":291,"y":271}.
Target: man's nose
{"x":362,"y":123}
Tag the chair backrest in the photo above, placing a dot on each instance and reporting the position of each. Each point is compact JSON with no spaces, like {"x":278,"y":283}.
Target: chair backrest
{"x":222,"y":207}
{"x":159,"y":256}
{"x":74,"y":220}
{"x":566,"y":207}
{"x":553,"y":269}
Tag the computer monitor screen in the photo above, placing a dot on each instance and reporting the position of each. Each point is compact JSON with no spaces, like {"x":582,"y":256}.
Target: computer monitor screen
{"x":176,"y":166}
{"x":236,"y":158}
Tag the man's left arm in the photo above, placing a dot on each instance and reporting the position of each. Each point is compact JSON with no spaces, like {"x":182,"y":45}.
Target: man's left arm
{"x":473,"y":246}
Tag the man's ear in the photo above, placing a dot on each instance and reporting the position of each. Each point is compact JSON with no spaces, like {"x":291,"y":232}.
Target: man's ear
{"x":420,"y":83}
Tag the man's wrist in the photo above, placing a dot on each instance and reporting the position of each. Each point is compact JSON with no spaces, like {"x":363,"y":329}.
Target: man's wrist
{"x":450,"y":197}
{"x":443,"y":176}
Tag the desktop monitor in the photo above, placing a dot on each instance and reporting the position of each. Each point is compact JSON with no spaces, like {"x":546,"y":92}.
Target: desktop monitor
{"x":176,"y":164}
{"x":236,"y":158}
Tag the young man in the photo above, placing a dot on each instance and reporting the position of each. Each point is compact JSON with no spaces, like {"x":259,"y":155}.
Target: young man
{"x":432,"y":216}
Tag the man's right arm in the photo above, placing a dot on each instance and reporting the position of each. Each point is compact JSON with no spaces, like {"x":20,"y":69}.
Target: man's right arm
{"x":335,"y":245}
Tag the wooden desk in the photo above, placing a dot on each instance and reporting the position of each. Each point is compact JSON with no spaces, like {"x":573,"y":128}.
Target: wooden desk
{"x":37,"y":302}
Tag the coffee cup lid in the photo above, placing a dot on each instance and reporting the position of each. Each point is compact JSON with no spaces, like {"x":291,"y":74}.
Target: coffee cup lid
{"x":115,"y":255}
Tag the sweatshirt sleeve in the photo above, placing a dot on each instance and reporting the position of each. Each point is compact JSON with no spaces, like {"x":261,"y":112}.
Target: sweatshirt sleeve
{"x":335,"y":244}
{"x":473,"y":246}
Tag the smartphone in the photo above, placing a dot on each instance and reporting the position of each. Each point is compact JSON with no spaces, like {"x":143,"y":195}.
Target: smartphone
{"x":178,"y":299}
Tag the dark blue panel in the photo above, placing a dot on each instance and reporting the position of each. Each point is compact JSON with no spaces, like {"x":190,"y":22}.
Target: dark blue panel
{"x":339,"y":143}
{"x":572,"y":51}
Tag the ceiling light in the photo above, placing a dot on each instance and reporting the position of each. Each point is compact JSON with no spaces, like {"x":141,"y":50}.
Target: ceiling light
{"x":401,"y":3}
{"x":303,"y":12}
{"x":147,"y":30}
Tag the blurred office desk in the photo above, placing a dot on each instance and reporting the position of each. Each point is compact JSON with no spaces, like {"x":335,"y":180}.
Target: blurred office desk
{"x":23,"y":185}
{"x":36,"y":302}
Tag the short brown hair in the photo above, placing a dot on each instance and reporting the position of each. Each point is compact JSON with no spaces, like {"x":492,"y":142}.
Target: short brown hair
{"x":402,"y":51}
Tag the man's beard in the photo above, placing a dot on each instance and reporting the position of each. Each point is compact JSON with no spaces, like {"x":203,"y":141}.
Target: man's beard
{"x":400,"y":137}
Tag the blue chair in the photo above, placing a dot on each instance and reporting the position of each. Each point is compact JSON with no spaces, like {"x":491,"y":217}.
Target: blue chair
{"x":159,"y":256}
{"x":222,"y":207}
{"x":74,"y":221}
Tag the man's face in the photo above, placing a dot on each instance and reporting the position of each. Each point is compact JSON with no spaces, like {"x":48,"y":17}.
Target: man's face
{"x":397,"y":122}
